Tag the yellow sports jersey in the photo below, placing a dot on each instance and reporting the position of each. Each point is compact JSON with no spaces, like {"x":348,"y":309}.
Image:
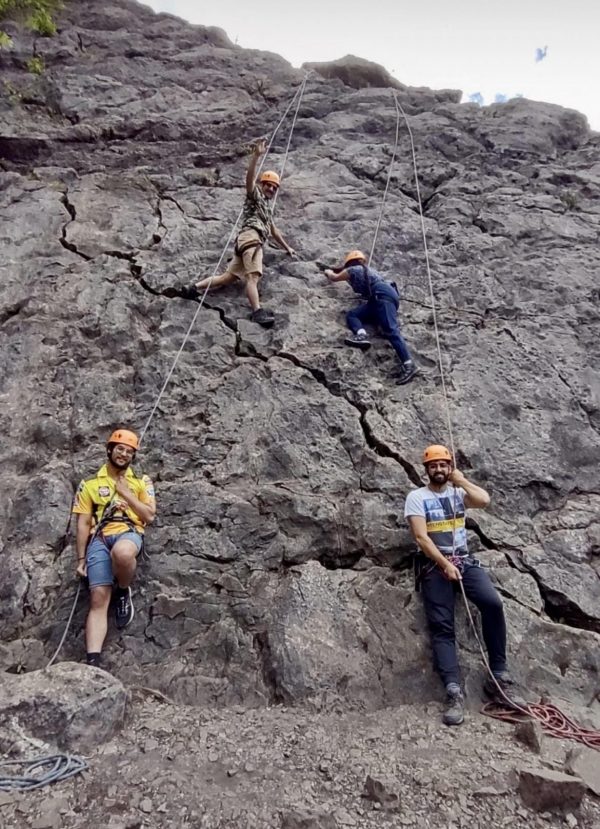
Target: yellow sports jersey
{"x":94,"y":495}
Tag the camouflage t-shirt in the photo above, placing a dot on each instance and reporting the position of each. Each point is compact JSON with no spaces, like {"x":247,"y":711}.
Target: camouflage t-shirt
{"x":257,"y":214}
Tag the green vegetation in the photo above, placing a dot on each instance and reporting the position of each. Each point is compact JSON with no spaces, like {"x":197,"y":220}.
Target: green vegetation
{"x":36,"y":66}
{"x":37,"y":15}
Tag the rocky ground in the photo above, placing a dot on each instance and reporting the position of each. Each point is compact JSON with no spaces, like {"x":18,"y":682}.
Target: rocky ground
{"x":291,"y":768}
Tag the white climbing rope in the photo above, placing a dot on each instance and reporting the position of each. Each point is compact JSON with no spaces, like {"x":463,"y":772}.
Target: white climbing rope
{"x":387,"y":184}
{"x":430,"y":279}
{"x":300,"y":95}
{"x":297,"y":95}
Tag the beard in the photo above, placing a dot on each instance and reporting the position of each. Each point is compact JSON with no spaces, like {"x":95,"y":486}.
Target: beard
{"x":438,"y":478}
{"x":118,"y":462}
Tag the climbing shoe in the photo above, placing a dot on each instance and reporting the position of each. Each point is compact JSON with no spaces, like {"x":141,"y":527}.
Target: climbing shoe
{"x":454,"y":713}
{"x":124,"y":611}
{"x":263,"y":317}
{"x":509,"y":688}
{"x":406,"y":372}
{"x":358,"y":341}
{"x":187,"y":292}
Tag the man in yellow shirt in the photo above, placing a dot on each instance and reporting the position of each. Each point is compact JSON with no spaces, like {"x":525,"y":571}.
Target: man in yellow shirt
{"x":112,"y":509}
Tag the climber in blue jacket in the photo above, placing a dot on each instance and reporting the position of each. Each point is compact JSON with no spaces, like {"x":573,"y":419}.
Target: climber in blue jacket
{"x":380,"y":309}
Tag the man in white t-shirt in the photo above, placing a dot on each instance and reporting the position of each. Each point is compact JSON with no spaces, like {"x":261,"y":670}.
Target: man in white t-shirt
{"x":436,"y":516}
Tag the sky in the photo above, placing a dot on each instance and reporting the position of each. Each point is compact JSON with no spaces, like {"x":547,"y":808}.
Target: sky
{"x":546,"y":50}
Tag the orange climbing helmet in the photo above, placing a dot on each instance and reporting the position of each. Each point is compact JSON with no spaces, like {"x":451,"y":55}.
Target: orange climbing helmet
{"x":436,"y":452}
{"x":269,"y":177}
{"x":354,"y":254}
{"x":125,"y":437}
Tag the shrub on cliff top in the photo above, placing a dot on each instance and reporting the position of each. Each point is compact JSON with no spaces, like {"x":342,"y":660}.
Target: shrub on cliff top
{"x":37,"y":15}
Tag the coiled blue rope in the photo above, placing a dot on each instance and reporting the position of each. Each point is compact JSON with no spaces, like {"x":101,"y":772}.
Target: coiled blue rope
{"x":40,"y":772}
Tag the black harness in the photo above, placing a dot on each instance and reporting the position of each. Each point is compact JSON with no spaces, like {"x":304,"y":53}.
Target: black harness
{"x":108,"y":516}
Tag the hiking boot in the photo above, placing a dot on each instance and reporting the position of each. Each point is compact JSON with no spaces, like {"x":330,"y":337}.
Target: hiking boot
{"x":358,"y":341}
{"x":124,"y":612}
{"x":263,"y":317}
{"x":406,"y":373}
{"x":508,"y":686}
{"x":454,"y":713}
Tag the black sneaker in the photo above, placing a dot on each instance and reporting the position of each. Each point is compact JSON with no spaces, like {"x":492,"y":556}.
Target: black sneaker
{"x":263,"y":317}
{"x":507,"y":694}
{"x":358,"y":341}
{"x":93,"y":659}
{"x":406,"y":373}
{"x":124,"y":612}
{"x":187,"y":292}
{"x":454,"y":713}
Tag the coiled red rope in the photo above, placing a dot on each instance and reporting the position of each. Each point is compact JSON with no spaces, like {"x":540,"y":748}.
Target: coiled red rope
{"x":552,"y":720}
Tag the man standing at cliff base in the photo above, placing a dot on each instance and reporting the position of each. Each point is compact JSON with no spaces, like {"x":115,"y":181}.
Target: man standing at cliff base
{"x":436,"y":516}
{"x":112,"y":509}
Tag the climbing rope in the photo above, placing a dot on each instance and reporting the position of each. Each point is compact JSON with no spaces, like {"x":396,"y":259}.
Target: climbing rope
{"x":297,"y":98}
{"x":300,"y":95}
{"x":551,"y":718}
{"x":67,"y":626}
{"x":387,"y":184}
{"x":297,"y":95}
{"x":52,"y":768}
{"x":429,"y":277}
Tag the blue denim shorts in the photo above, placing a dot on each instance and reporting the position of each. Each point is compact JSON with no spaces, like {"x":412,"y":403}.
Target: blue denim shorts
{"x":98,"y":560}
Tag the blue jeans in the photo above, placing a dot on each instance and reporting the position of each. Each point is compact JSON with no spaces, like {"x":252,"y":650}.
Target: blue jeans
{"x":381,"y":310}
{"x":98,"y":558}
{"x":439,"y":595}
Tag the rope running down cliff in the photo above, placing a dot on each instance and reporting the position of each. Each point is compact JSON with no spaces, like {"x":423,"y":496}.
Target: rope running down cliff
{"x":551,"y":718}
{"x":296,"y":99}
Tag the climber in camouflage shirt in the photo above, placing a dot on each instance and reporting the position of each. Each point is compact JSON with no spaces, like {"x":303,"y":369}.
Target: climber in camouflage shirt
{"x":257,"y":226}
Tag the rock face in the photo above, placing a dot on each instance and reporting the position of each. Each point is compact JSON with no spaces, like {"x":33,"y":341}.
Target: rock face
{"x":278,"y":566}
{"x":71,"y":707}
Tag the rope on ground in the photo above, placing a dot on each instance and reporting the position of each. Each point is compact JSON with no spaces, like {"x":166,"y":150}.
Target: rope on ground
{"x":552,"y":719}
{"x":429,"y":276}
{"x":387,"y":183}
{"x":297,"y":95}
{"x":40,"y":772}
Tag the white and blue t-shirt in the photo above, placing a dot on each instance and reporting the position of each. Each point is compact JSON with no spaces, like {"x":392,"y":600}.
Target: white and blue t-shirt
{"x":444,"y":513}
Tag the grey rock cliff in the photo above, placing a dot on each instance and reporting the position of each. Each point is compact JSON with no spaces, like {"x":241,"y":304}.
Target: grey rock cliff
{"x":277,"y":566}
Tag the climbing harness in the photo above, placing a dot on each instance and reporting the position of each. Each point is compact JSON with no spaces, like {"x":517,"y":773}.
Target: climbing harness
{"x":40,"y":772}
{"x":296,"y":99}
{"x":551,"y":718}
